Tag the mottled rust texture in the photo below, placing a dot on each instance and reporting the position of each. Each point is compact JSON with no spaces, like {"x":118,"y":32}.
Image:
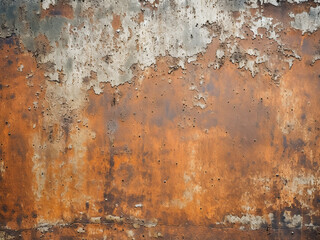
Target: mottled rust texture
{"x":214,"y":139}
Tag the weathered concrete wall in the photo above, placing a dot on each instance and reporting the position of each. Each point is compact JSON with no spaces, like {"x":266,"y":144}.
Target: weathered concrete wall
{"x":131,"y":119}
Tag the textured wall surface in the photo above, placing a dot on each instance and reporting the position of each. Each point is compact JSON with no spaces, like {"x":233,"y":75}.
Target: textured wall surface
{"x":171,"y":119}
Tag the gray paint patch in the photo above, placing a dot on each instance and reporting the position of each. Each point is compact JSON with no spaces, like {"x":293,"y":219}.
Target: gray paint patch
{"x":307,"y":22}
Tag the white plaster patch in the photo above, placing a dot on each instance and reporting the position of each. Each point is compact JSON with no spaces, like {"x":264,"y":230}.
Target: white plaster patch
{"x":2,"y":168}
{"x":255,"y":222}
{"x":46,"y":3}
{"x":220,"y":53}
{"x":307,"y":22}
{"x":20,"y":68}
{"x":292,"y":221}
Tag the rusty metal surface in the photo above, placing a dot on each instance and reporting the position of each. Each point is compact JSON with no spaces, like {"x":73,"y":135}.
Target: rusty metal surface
{"x":159,"y":119}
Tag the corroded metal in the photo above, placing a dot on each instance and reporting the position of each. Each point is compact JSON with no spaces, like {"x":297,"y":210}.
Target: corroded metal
{"x":159,"y":119}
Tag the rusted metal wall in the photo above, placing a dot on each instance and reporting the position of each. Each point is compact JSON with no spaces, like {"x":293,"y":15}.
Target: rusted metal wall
{"x":159,"y":119}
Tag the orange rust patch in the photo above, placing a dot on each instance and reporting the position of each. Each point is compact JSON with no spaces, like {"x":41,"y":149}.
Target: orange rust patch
{"x":20,"y":118}
{"x":178,"y":153}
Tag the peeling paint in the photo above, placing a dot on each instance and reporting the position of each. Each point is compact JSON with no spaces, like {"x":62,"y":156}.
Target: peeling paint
{"x":307,"y":21}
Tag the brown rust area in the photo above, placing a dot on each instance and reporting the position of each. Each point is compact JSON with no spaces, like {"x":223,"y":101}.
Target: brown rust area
{"x":20,"y":119}
{"x":141,"y":17}
{"x":116,"y":22}
{"x":61,"y":9}
{"x":193,"y":153}
{"x":199,"y":158}
{"x":42,"y":45}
